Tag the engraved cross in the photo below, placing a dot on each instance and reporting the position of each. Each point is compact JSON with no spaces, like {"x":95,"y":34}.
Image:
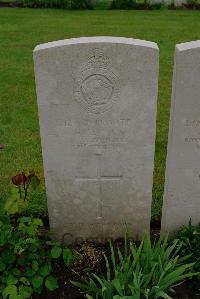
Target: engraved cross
{"x":100,"y":179}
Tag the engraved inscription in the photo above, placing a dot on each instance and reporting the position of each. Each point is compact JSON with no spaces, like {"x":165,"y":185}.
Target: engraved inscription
{"x":192,"y":139}
{"x":96,"y":84}
{"x":192,"y":123}
{"x":95,"y":124}
{"x":90,"y":133}
{"x":193,"y":126}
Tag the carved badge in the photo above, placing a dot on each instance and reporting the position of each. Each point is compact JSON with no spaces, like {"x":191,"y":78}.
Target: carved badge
{"x":96,"y":84}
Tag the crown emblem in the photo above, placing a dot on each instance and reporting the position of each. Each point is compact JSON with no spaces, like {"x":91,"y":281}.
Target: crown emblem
{"x":96,"y":87}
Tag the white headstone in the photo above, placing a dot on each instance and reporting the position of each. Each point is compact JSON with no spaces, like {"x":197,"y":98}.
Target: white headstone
{"x":97,"y":108}
{"x":182,"y":186}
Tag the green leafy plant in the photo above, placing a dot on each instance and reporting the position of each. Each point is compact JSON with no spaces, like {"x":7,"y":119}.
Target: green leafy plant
{"x":190,"y":237}
{"x":26,"y":260}
{"x":149,"y":271}
{"x":16,"y":202}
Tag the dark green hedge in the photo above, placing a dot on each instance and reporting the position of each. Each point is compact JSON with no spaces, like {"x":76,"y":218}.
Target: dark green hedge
{"x":67,"y":4}
{"x":88,"y":4}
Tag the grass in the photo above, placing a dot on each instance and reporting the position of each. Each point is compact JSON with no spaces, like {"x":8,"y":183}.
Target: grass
{"x":22,"y":29}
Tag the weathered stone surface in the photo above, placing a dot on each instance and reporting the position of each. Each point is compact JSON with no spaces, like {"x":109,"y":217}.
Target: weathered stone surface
{"x":97,"y":109}
{"x":182,"y":186}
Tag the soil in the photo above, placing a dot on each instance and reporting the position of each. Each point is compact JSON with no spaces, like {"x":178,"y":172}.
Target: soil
{"x":184,"y":291}
{"x":67,"y":291}
{"x":92,"y":258}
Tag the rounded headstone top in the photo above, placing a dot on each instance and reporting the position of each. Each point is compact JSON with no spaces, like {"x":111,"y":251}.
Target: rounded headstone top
{"x":188,"y":45}
{"x":96,"y":39}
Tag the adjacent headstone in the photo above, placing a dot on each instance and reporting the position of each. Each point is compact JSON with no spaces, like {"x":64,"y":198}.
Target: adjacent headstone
{"x":97,"y":110}
{"x":182,"y":185}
